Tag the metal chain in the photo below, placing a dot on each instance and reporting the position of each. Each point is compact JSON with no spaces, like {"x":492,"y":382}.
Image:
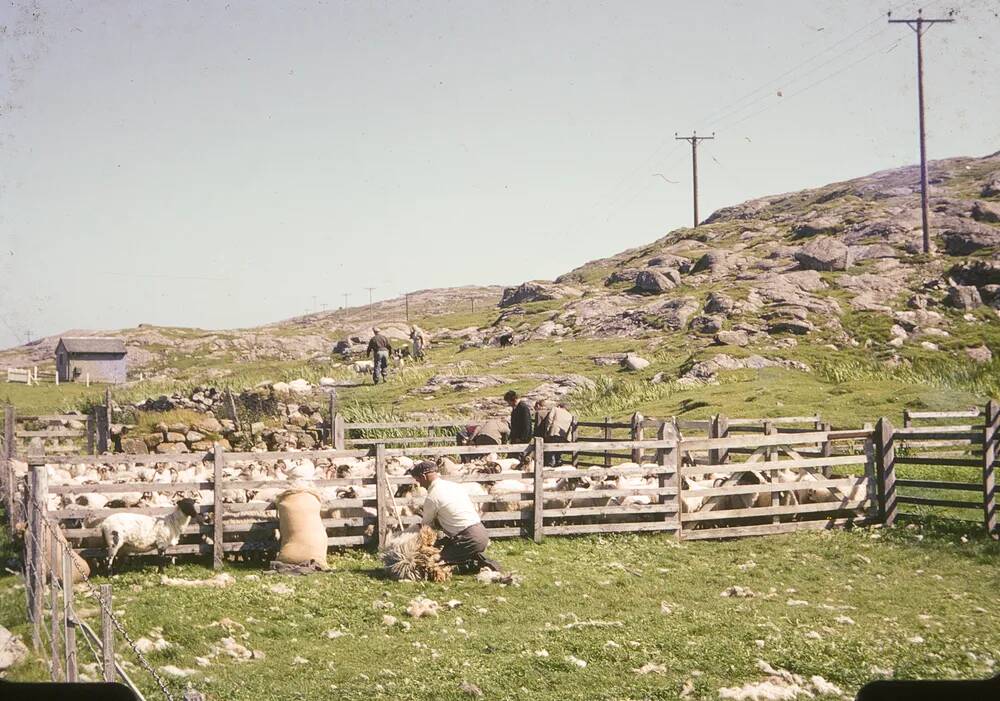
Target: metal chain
{"x":103,"y":604}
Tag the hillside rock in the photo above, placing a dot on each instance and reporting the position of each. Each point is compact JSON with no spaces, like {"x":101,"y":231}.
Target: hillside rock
{"x":536,"y":292}
{"x":815,"y":226}
{"x":634,"y":362}
{"x":706,"y":324}
{"x":732,"y":338}
{"x":986,"y":212}
{"x":963,"y":236}
{"x":719,"y":303}
{"x":669,"y":260}
{"x":980,"y":354}
{"x":963,"y":297}
{"x":657,"y":281}
{"x":825,"y":254}
{"x":706,"y":370}
{"x":674,"y":314}
{"x":991,"y":188}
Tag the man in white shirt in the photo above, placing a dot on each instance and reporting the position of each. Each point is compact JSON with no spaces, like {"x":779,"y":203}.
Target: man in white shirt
{"x":449,"y":507}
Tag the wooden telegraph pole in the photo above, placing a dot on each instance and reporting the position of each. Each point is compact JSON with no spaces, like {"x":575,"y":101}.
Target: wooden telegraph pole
{"x":371,"y":310}
{"x":921,"y":25}
{"x":693,"y":140}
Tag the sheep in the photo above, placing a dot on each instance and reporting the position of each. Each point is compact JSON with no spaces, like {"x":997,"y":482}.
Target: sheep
{"x":363,"y":366}
{"x":140,"y":533}
{"x":509,"y":487}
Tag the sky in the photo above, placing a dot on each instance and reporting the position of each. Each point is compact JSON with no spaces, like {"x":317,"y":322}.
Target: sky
{"x":224,"y":165}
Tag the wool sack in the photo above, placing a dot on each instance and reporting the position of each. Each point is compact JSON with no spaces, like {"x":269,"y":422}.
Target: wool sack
{"x":303,"y":535}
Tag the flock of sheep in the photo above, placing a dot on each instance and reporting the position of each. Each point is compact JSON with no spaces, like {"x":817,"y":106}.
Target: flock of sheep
{"x":577,"y":488}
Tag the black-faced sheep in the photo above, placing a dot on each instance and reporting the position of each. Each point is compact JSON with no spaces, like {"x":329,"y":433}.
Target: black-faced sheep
{"x":139,"y":533}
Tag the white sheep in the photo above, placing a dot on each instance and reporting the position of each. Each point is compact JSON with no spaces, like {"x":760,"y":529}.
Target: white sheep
{"x":139,"y":533}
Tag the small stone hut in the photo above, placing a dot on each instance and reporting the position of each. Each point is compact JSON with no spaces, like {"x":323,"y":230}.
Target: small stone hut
{"x":103,"y":359}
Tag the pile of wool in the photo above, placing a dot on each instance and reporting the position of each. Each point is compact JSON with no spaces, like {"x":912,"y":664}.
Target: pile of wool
{"x":411,"y":555}
{"x":422,"y":606}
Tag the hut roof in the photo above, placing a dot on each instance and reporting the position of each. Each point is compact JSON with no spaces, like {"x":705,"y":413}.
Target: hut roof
{"x":93,"y":344}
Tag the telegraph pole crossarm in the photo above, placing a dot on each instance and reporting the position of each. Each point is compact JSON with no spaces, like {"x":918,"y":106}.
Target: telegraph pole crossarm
{"x":920,"y":25}
{"x":693,"y":140}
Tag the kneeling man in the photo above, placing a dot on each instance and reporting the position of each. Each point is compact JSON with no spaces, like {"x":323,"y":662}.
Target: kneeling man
{"x":449,"y":507}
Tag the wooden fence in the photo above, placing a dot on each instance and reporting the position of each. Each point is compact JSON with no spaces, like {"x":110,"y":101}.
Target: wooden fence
{"x":544,"y":507}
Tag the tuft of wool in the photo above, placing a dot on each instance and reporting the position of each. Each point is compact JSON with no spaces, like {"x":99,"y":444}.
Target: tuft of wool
{"x":411,"y":556}
{"x":422,"y":606}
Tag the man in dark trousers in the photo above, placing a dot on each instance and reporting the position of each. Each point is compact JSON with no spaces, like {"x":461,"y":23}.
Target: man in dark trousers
{"x":522,"y":427}
{"x":379,"y":349}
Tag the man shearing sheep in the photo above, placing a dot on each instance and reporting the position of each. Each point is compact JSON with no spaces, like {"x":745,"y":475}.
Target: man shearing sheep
{"x":449,"y":506}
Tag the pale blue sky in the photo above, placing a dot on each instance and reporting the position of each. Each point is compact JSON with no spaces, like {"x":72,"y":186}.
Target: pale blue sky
{"x":217,"y":165}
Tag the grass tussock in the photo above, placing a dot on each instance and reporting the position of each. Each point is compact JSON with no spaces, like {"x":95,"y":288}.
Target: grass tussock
{"x":611,"y":396}
{"x":946,"y":373}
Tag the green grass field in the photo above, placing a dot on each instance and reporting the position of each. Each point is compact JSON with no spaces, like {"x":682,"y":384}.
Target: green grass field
{"x":847,"y":606}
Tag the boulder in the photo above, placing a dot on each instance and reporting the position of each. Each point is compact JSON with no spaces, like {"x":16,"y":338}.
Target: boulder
{"x":980,"y":354}
{"x":172,"y":448}
{"x":178,"y":427}
{"x":732,"y":338}
{"x":536,"y":292}
{"x":990,"y":294}
{"x":202,"y":446}
{"x":208,"y":425}
{"x":193,"y":437}
{"x":669,"y":260}
{"x":719,"y":303}
{"x":654,"y":281}
{"x":976,"y":272}
{"x":12,"y":650}
{"x":619,"y":276}
{"x":280,"y":388}
{"x":634,"y":362}
{"x":986,"y":212}
{"x":962,"y":237}
{"x":136,"y":446}
{"x":674,"y":313}
{"x":300,"y":386}
{"x":713,"y":261}
{"x":175,"y":437}
{"x":706,"y":324}
{"x":800,"y":327}
{"x":824,"y":254}
{"x":815,"y":226}
{"x":991,"y":188}
{"x":963,"y":297}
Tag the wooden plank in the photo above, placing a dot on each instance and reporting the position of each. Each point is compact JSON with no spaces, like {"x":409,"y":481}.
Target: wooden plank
{"x":37,"y":513}
{"x":991,"y":436}
{"x":120,"y":487}
{"x":404,"y":424}
{"x":837,"y":460}
{"x":937,"y":462}
{"x":382,"y":496}
{"x":935,"y":484}
{"x":320,"y":454}
{"x":107,"y":634}
{"x":53,"y":417}
{"x":937,"y":434}
{"x":55,"y":570}
{"x":843,"y":484}
{"x":637,"y":435}
{"x":50,"y":433}
{"x":637,"y":510}
{"x":772,"y":528}
{"x":852,"y":434}
{"x":406,"y":440}
{"x":755,"y":512}
{"x":582,"y":528}
{"x":538,"y":528}
{"x":512,"y":449}
{"x":885,"y":453}
{"x":927,"y":501}
{"x":121,"y":459}
{"x":68,"y":615}
{"x":506,"y":532}
{"x":776,"y":420}
{"x":218,"y":508}
{"x":551,"y":495}
{"x":968,"y":413}
{"x":647,"y":469}
{"x":754,"y":441}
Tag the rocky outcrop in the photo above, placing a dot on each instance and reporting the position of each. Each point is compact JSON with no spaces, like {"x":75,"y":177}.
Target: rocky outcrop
{"x":815,"y":226}
{"x":824,"y":254}
{"x":962,"y":237}
{"x":707,"y":370}
{"x":657,"y":281}
{"x":991,"y":188}
{"x":536,"y":292}
{"x":986,"y":212}
{"x":963,"y":297}
{"x":673,"y":314}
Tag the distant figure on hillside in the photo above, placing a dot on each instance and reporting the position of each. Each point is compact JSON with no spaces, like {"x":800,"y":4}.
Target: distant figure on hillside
{"x":419,"y":340}
{"x":379,"y":349}
{"x":506,"y":339}
{"x":521,"y":427}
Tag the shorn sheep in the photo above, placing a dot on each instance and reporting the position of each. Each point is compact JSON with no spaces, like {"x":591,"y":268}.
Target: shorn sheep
{"x":139,"y":533}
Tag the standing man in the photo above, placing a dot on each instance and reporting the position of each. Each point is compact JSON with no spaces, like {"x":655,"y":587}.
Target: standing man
{"x":557,"y":427}
{"x":419,"y":342}
{"x":379,"y":349}
{"x":449,"y":506}
{"x":521,"y":426}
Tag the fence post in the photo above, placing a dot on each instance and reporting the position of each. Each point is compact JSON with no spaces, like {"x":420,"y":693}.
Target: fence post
{"x":907,"y":419}
{"x":991,"y":433}
{"x":92,"y":432}
{"x":231,"y":407}
{"x":381,"y":498}
{"x":39,"y":495}
{"x":538,"y":528}
{"x":668,"y":460}
{"x":718,"y":427}
{"x":55,"y":571}
{"x":218,"y":508}
{"x":333,"y":413}
{"x":69,"y":617}
{"x":9,"y":451}
{"x":338,"y":432}
{"x":103,"y":429}
{"x":107,"y":635}
{"x":885,"y":451}
{"x":870,"y":487}
{"x":608,"y":433}
{"x":637,"y":419}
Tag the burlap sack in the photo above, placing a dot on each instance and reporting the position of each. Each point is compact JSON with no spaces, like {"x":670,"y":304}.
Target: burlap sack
{"x":303,"y":535}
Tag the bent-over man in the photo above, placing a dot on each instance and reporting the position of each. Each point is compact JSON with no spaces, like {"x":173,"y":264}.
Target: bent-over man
{"x":379,"y":349}
{"x":521,"y":427}
{"x":449,"y":507}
